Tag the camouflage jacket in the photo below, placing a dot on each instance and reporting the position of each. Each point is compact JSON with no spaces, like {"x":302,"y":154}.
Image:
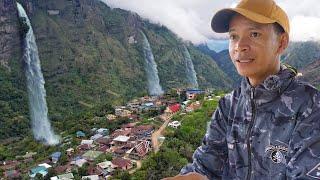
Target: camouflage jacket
{"x":271,"y":131}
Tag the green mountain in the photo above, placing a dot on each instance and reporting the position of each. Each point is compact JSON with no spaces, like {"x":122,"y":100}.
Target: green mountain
{"x":305,"y":56}
{"x":91,"y":57}
{"x":301,"y":54}
{"x":311,"y":73}
{"x":224,"y":62}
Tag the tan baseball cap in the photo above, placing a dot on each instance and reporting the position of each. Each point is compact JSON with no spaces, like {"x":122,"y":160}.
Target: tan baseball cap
{"x":260,"y":11}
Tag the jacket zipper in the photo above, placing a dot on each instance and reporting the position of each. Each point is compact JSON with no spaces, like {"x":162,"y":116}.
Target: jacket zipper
{"x":249,"y":133}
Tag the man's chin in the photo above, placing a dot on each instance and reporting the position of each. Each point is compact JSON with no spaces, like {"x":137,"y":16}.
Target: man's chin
{"x":244,"y":73}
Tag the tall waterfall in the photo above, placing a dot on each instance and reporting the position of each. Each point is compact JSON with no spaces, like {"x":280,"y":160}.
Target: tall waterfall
{"x":35,"y":86}
{"x":191,"y":73}
{"x":150,"y":67}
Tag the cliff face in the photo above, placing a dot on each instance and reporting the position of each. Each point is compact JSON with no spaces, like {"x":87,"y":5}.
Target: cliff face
{"x":9,"y":32}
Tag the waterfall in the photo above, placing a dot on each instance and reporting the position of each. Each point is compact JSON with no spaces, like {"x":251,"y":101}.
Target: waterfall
{"x":35,"y":86}
{"x":150,"y":67}
{"x":191,"y":73}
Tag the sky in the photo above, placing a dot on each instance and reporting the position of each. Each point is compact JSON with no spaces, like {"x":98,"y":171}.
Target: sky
{"x":190,"y":19}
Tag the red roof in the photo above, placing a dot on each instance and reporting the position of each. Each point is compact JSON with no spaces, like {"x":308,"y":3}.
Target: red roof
{"x":120,"y":162}
{"x":84,"y":147}
{"x":142,"y":148}
{"x":129,"y":125}
{"x":141,"y":129}
{"x":174,"y":108}
{"x":120,"y":132}
{"x":12,"y":174}
{"x":104,"y":141}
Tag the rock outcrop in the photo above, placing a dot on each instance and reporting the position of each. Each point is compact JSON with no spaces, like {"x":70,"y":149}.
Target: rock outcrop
{"x":9,"y":32}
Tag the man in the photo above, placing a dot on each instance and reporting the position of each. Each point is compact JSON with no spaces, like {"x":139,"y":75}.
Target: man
{"x":269,"y":127}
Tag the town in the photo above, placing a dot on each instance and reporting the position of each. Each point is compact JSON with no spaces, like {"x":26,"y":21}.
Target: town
{"x":100,"y":152}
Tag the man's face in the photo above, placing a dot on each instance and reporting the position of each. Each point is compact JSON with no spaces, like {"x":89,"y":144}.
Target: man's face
{"x":253,"y":48}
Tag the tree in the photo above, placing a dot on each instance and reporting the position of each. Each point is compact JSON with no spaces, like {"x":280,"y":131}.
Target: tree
{"x":123,"y":175}
{"x":63,"y":159}
{"x":51,"y":173}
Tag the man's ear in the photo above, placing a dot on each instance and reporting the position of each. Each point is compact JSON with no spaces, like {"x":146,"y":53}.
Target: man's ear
{"x":283,"y":42}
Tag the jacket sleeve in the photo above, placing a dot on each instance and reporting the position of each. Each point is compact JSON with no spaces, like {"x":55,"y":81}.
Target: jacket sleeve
{"x":304,"y":146}
{"x":210,"y":158}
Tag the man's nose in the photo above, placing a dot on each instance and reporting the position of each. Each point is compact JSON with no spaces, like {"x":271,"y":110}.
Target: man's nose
{"x":242,"y":45}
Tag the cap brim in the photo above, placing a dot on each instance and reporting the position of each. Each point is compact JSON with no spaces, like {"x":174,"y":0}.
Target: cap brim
{"x":220,"y":21}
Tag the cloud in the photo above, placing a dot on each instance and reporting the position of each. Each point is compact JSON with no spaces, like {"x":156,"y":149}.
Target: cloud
{"x":190,"y":19}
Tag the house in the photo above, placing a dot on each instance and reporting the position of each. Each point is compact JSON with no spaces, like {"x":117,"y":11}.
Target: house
{"x":70,"y":151}
{"x":12,"y":174}
{"x":103,"y":141}
{"x":119,"y":152}
{"x":121,"y":132}
{"x":121,"y":140}
{"x":84,"y":147}
{"x":128,"y":126}
{"x":79,"y":161}
{"x":192,"y":93}
{"x":67,"y":176}
{"x":105,"y":167}
{"x":80,"y":134}
{"x":193,"y":106}
{"x":131,"y":40}
{"x":103,"y":131}
{"x":174,"y":124}
{"x":120,"y":163}
{"x":53,"y":12}
{"x":89,"y":142}
{"x":55,"y":157}
{"x":143,"y":131}
{"x":91,"y":155}
{"x":172,"y":109}
{"x":96,"y":136}
{"x":91,"y":177}
{"x":45,"y":165}
{"x":38,"y":170}
{"x":140,"y":150}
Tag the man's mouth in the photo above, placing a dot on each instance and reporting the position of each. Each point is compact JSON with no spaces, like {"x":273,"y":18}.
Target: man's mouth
{"x":244,"y":60}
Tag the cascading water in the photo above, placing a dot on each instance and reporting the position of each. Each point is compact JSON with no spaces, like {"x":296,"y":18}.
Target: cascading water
{"x":150,"y":66}
{"x":191,"y":73}
{"x":35,"y":86}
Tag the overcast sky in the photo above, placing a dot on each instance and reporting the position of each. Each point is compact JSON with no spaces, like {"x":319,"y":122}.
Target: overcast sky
{"x":190,"y":19}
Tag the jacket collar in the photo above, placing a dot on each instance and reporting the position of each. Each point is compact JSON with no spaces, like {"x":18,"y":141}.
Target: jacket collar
{"x":271,"y":88}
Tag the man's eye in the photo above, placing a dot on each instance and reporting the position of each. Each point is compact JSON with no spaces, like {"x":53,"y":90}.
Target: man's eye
{"x":255,"y":34}
{"x":232,"y":37}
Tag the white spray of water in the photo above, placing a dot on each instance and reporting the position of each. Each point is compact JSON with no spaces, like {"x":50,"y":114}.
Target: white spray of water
{"x":150,"y":67}
{"x":191,"y":73}
{"x":35,"y":86}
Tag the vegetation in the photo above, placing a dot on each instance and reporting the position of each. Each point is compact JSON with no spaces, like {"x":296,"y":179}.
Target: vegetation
{"x":179,"y":145}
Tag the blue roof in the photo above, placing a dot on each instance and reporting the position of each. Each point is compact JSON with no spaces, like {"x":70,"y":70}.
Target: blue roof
{"x":80,"y":133}
{"x":195,"y":91}
{"x":38,"y":169}
{"x":56,"y":155}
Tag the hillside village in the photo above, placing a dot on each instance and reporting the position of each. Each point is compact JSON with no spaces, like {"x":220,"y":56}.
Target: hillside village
{"x":100,"y":152}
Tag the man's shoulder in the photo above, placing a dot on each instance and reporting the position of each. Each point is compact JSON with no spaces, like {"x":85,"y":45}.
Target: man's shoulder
{"x":300,"y":87}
